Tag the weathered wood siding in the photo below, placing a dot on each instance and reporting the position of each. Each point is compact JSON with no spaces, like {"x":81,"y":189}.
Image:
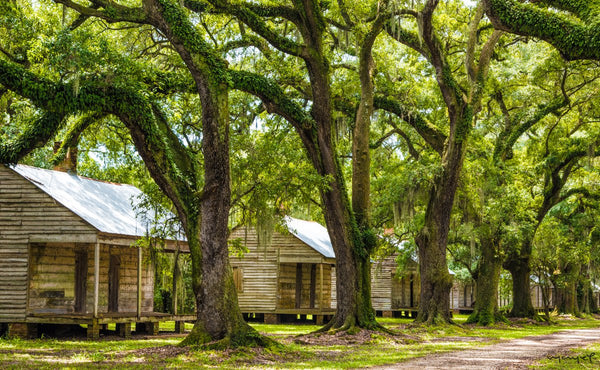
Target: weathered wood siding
{"x":382,"y":278}
{"x":406,"y":290}
{"x":537,"y":298}
{"x":25,"y":210}
{"x":258,"y":272}
{"x":333,"y":288}
{"x":462,"y":295}
{"x":52,"y":279}
{"x":288,"y":278}
{"x":391,"y":292}
{"x":263,"y":269}
{"x":128,"y":279}
{"x":455,"y":296}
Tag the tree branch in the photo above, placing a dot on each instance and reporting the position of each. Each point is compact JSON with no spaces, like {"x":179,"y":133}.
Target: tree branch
{"x":430,"y":133}
{"x":575,"y":39}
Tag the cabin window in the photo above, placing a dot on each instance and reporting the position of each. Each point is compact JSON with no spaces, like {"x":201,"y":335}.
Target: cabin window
{"x":238,"y":279}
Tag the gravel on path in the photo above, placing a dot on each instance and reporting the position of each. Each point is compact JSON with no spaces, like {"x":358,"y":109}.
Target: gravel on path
{"x":511,"y":354}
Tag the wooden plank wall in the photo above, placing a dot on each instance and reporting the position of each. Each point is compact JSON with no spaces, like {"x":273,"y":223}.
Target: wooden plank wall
{"x":52,"y":278}
{"x":333,"y":289}
{"x":287,"y":286}
{"x":465,"y":294}
{"x":258,"y":270}
{"x":25,"y":210}
{"x":128,"y":280}
{"x":52,"y":284}
{"x":455,"y":296}
{"x":327,"y":293}
{"x":382,"y":278}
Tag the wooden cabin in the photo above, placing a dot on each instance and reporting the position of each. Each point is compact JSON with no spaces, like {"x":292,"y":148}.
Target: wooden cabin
{"x":394,"y":294}
{"x":397,"y":294}
{"x":290,"y":275}
{"x":67,"y":254}
{"x":462,"y":296}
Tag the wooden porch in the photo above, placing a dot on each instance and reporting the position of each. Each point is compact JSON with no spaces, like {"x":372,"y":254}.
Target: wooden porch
{"x":277,"y":316}
{"x":147,"y":322}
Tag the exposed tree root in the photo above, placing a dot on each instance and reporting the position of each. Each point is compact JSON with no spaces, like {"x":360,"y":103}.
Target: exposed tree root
{"x":436,"y":319}
{"x":241,"y":336}
{"x":351,"y":325}
{"x":486,"y":318}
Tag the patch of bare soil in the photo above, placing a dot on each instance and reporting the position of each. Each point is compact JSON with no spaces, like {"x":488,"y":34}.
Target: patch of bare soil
{"x":460,"y":339}
{"x":344,"y":338}
{"x":162,"y":351}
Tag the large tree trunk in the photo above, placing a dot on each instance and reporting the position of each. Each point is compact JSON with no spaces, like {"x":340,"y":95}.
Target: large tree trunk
{"x":219,"y":316}
{"x":353,"y":266}
{"x":485,"y":311}
{"x":436,"y":282}
{"x":518,"y":266}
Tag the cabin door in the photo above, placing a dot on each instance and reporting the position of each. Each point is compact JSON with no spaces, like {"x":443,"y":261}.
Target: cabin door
{"x":113,"y":283}
{"x":306,"y":285}
{"x":81,"y":269}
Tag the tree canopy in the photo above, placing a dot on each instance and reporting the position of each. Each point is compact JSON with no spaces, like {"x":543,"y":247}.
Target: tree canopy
{"x":448,"y":123}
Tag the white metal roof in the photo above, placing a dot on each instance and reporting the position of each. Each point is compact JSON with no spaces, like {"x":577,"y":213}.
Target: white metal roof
{"x":109,"y":207}
{"x":312,"y":233}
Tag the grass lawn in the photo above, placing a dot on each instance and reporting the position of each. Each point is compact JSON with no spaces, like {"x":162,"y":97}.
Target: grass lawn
{"x":579,"y":358}
{"x":298,"y":351}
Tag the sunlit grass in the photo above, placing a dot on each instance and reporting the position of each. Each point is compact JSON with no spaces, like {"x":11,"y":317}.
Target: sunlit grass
{"x":380,"y":349}
{"x":579,"y":358}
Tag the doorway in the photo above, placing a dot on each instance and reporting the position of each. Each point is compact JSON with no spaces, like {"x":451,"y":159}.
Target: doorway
{"x":81,"y":270}
{"x":113,"y":283}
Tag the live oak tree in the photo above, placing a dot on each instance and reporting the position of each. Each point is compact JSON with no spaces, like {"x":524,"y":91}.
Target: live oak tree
{"x":496,"y":208}
{"x":201,"y":196}
{"x":461,"y":94}
{"x":351,"y":237}
{"x":570,"y":27}
{"x":557,"y":167}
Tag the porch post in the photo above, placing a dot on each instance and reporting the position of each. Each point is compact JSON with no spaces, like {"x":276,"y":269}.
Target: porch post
{"x":321,"y":290}
{"x":139,"y":283}
{"x":96,"y":276}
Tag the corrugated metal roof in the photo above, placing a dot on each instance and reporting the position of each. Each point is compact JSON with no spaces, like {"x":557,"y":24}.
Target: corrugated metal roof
{"x":106,"y":206}
{"x":312,"y":233}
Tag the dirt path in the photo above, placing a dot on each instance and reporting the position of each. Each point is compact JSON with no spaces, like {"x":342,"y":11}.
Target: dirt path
{"x":512,"y":354}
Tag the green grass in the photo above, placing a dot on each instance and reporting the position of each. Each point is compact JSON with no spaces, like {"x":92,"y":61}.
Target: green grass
{"x":374,"y":349}
{"x":579,"y":358}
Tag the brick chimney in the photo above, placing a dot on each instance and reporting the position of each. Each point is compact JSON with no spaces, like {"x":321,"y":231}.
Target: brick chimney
{"x":69,"y":163}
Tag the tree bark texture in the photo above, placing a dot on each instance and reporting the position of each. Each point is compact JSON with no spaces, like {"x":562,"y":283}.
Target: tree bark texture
{"x":485,"y":311}
{"x":352,"y":258}
{"x":436,"y":281}
{"x":219,"y":316}
{"x":519,"y":268}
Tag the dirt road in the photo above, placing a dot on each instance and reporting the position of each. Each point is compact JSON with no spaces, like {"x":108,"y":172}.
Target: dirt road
{"x":512,"y":354}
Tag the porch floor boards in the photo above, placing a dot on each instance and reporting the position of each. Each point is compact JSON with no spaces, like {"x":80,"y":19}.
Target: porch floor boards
{"x":105,"y":318}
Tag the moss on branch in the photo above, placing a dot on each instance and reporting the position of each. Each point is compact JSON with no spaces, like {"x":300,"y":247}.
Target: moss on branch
{"x":576,"y":36}
{"x":34,"y":136}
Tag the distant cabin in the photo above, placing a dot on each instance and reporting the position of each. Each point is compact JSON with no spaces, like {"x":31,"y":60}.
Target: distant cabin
{"x":397,"y":294}
{"x":394,"y":294}
{"x":289,"y":276}
{"x":462,"y":296}
{"x":66,"y":254}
